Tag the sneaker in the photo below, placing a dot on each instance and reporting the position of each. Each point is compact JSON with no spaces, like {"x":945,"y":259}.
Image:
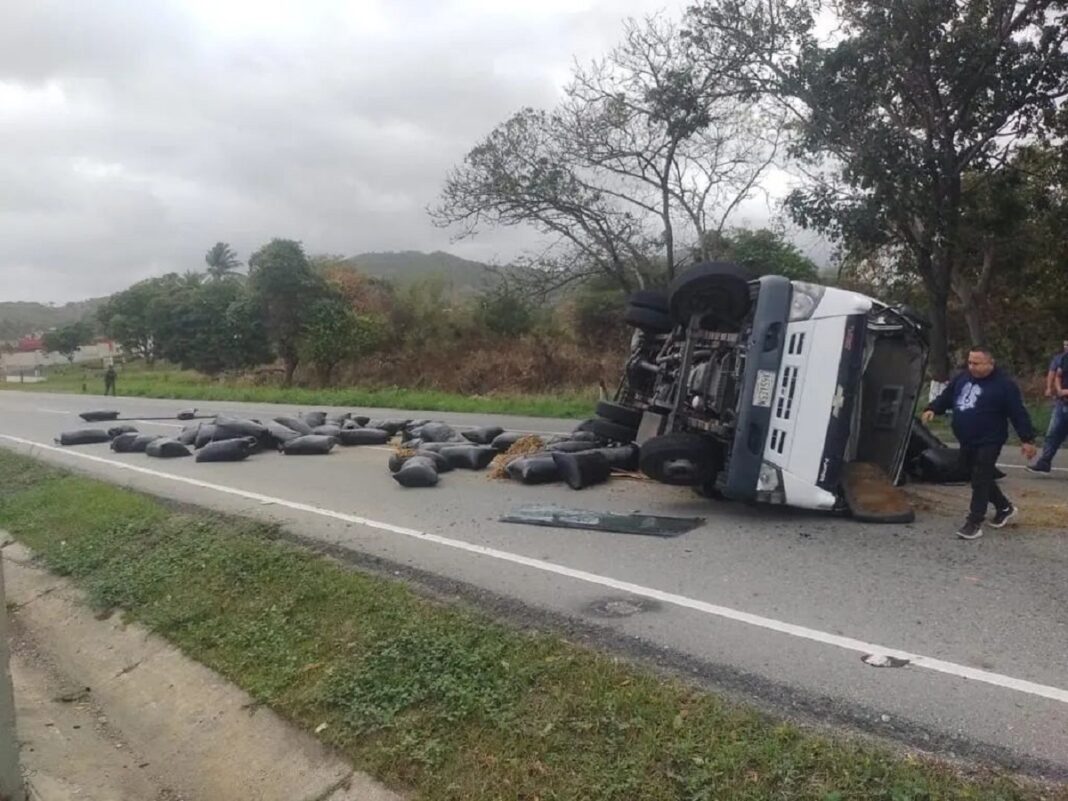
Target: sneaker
{"x":1002,"y":517}
{"x":1038,"y":467}
{"x":970,"y":530}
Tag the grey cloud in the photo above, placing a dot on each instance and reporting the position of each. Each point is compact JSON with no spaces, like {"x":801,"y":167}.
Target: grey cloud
{"x":134,"y":135}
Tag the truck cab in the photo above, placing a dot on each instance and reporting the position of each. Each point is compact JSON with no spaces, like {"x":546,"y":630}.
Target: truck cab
{"x":769,"y":389}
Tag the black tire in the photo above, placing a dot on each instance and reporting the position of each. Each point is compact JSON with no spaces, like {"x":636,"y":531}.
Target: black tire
{"x":719,"y":291}
{"x":654,"y":299}
{"x":681,"y":459}
{"x":615,"y":413}
{"x":708,"y":489}
{"x":654,"y":322}
{"x":606,"y":429}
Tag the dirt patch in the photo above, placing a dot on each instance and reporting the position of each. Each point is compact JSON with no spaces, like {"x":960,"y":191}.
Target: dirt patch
{"x":1040,"y":508}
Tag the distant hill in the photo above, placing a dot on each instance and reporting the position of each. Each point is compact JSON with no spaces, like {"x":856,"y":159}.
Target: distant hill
{"x":20,"y":317}
{"x":412,"y":265}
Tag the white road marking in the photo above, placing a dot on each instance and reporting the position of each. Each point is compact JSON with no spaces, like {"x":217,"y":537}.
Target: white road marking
{"x":770,"y":624}
{"x":55,"y":411}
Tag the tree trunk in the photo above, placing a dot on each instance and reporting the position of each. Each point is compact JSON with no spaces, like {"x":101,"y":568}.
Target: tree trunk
{"x":972,"y":316}
{"x":938,"y":362}
{"x":291,"y":366}
{"x":936,"y":282}
{"x":326,"y":371}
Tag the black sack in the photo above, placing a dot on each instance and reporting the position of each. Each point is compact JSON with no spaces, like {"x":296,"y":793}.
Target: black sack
{"x":503,"y":442}
{"x":227,"y":450}
{"x":294,"y":424}
{"x":942,"y":466}
{"x":204,"y":435}
{"x":392,"y":426}
{"x":920,"y":439}
{"x":338,"y":418}
{"x":188,"y":435}
{"x":236,"y":427}
{"x":571,"y":446}
{"x":361,"y":419}
{"x":123,"y":442}
{"x":328,"y":430}
{"x":436,"y":431}
{"x":539,"y":468}
{"x":98,"y":415}
{"x":187,"y":414}
{"x":441,"y":464}
{"x":584,"y":469}
{"x":124,"y":428}
{"x":468,"y":457}
{"x":280,"y":434}
{"x":363,"y":436}
{"x":309,"y":445}
{"x":314,"y":419}
{"x":582,"y":436}
{"x":431,"y":446}
{"x":483,"y":435}
{"x":166,"y":449}
{"x":418,"y":471}
{"x":139,"y":443}
{"x":621,"y":457}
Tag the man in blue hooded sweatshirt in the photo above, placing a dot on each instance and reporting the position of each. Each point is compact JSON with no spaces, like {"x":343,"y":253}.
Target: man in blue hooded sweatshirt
{"x":984,"y":400}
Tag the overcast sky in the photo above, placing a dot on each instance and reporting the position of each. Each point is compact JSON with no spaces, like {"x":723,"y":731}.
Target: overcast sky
{"x":136,"y":133}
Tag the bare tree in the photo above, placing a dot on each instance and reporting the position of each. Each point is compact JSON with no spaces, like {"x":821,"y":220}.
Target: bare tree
{"x":647,"y":154}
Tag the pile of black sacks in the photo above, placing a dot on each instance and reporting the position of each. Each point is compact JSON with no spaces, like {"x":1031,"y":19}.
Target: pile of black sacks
{"x":232,"y":438}
{"x":426,"y":448}
{"x":581,"y":459}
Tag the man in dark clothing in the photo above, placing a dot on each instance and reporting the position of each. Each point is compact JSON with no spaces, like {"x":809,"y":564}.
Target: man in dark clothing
{"x":984,"y":400}
{"x":109,"y":380}
{"x":1058,"y":424}
{"x":1051,"y":384}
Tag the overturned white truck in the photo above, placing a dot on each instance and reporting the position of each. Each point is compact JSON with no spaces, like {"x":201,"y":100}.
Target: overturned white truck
{"x":771,"y":390}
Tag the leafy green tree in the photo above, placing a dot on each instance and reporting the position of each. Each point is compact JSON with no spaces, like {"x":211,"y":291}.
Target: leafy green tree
{"x":213,"y":327}
{"x":505,"y":312}
{"x":286,"y":290}
{"x":765,"y":252}
{"x":906,"y":100}
{"x":222,"y":261}
{"x":336,"y":333}
{"x":138,"y":317}
{"x":68,"y":339}
{"x":596,"y":314}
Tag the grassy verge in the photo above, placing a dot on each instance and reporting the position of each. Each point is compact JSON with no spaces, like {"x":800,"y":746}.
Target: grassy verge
{"x":188,"y":385}
{"x":427,"y":697}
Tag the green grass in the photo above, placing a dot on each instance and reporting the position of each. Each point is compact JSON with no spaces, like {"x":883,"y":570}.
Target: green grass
{"x":431,"y":698}
{"x":189,"y":385}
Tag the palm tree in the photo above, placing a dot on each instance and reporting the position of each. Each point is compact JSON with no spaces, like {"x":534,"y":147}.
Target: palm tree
{"x":222,"y":260}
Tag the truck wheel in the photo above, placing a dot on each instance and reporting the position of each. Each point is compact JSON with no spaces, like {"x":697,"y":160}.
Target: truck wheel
{"x":615,"y":413}
{"x":719,"y":290}
{"x":649,"y":320}
{"x":681,"y":459}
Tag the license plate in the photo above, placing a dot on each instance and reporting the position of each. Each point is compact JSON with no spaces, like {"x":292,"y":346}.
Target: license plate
{"x":765,"y":388}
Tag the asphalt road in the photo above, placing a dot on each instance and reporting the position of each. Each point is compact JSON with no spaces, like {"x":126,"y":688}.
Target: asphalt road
{"x":769,"y":605}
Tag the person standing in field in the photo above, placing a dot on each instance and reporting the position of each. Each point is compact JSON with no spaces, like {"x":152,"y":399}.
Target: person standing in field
{"x":109,"y":380}
{"x":984,"y":400}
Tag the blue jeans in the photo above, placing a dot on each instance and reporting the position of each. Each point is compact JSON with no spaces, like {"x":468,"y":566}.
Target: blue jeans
{"x":1058,"y":431}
